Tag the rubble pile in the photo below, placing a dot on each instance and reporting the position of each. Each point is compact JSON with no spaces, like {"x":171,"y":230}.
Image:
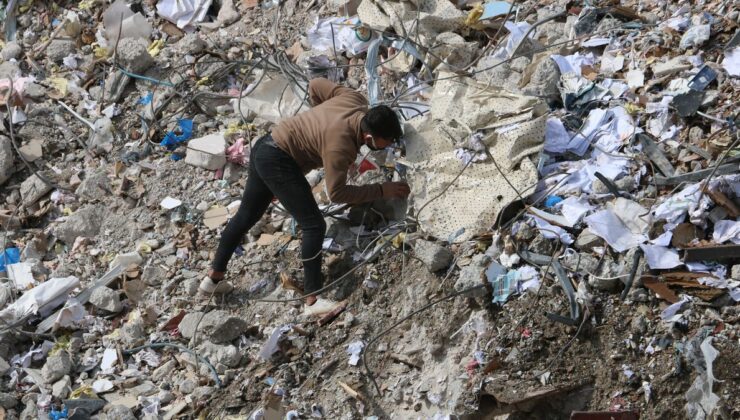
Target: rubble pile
{"x":571,"y":245}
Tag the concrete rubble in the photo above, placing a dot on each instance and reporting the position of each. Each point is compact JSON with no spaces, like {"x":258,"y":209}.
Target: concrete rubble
{"x":570,"y":248}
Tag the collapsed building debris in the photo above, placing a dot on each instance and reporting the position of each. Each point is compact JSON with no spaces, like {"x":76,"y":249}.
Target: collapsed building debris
{"x":569,"y":248}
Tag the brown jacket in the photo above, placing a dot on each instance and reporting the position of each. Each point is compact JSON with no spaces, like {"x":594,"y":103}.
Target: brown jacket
{"x":329,"y":135}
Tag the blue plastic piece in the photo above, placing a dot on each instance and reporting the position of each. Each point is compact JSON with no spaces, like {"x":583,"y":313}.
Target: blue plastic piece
{"x":172,"y":140}
{"x":146,"y":99}
{"x":9,"y":256}
{"x":59,"y":414}
{"x":552,"y":200}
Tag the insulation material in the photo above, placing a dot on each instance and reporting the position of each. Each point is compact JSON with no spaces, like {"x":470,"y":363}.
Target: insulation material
{"x":459,"y":106}
{"x":435,"y":16}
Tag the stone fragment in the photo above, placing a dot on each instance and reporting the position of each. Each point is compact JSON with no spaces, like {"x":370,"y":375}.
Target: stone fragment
{"x":133,"y":56}
{"x":6,"y":159}
{"x":192,"y":44}
{"x":119,"y":412}
{"x":586,"y":240}
{"x":153,"y":275}
{"x":56,"y":367}
{"x":33,"y":188}
{"x":735,"y":272}
{"x":4,"y":366}
{"x":216,"y":326}
{"x":95,"y":186}
{"x":187,"y":386}
{"x":58,"y":49}
{"x":164,"y":370}
{"x":11,"y":50}
{"x":62,"y":387}
{"x":9,"y":69}
{"x":472,"y":275}
{"x":674,"y":65}
{"x":207,"y":152}
{"x":434,"y":256}
{"x":106,"y":299}
{"x":227,"y":355}
{"x":7,"y":400}
{"x":84,"y":222}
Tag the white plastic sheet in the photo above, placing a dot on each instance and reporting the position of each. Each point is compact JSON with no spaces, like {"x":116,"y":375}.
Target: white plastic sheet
{"x":731,"y":62}
{"x":183,"y":13}
{"x":354,"y":349}
{"x":660,"y":257}
{"x":320,"y":36}
{"x":41,"y":298}
{"x":726,"y":230}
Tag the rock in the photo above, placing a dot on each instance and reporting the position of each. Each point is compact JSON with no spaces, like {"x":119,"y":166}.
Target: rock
{"x":586,"y":240}
{"x":153,"y":275}
{"x":11,"y":50}
{"x":133,"y":56}
{"x":106,"y":299}
{"x":145,"y":389}
{"x":33,"y":188}
{"x":9,"y":69}
{"x":542,"y":245}
{"x":216,"y":326}
{"x":34,"y":91}
{"x":735,"y":272}
{"x":6,"y":159}
{"x":434,"y":256}
{"x":207,"y":152}
{"x":674,"y":65}
{"x":119,"y":412}
{"x":4,"y":366}
{"x":61,"y":388}
{"x":233,"y":172}
{"x":7,"y":400}
{"x":190,"y":286}
{"x":164,"y":370}
{"x":472,"y":275}
{"x":187,"y":386}
{"x":84,"y":408}
{"x":166,"y":397}
{"x":192,"y":44}
{"x":132,"y":332}
{"x":58,"y":49}
{"x":95,"y":186}
{"x":56,"y":367}
{"x":202,"y":393}
{"x":227,"y":355}
{"x":544,"y":80}
{"x":84,"y":222}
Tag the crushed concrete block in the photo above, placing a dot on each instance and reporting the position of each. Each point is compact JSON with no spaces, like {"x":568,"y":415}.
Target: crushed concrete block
{"x":58,"y":49}
{"x":133,"y":56}
{"x":56,"y":367}
{"x":472,"y":275}
{"x":735,"y":272}
{"x":227,"y":355}
{"x":132,"y":333}
{"x":674,"y":65}
{"x":62,"y":388}
{"x":187,"y":386}
{"x":11,"y":50}
{"x":119,"y":412}
{"x":586,"y":240}
{"x":216,"y":326}
{"x":33,"y":188}
{"x":4,"y":365}
{"x":434,"y":256}
{"x":207,"y":152}
{"x":84,"y":222}
{"x":544,"y":80}
{"x":164,"y":370}
{"x":96,"y":186}
{"x":9,"y":69}
{"x":192,"y":44}
{"x":8,"y":400}
{"x":153,"y":275}
{"x":6,"y":159}
{"x":106,"y":299}
{"x":145,"y":389}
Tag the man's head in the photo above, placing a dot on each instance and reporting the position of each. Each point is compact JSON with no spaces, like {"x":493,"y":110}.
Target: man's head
{"x":380,"y":127}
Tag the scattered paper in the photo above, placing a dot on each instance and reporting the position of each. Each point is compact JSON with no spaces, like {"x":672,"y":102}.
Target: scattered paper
{"x":635,"y":78}
{"x":551,"y":231}
{"x":41,"y":299}
{"x":271,"y":345}
{"x":354,"y":350}
{"x":606,"y":225}
{"x":726,"y":230}
{"x":20,"y":274}
{"x":183,"y":13}
{"x":731,"y":62}
{"x":102,"y":385}
{"x":71,"y":314}
{"x":660,"y":257}
{"x":170,"y":203}
{"x":573,"y":208}
{"x":110,"y":358}
{"x":671,"y":313}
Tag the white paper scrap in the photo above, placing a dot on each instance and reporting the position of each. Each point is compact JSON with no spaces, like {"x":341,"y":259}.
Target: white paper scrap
{"x":110,"y":358}
{"x":731,"y":62}
{"x":606,"y":225}
{"x":660,"y":257}
{"x":726,"y":230}
{"x":170,"y":203}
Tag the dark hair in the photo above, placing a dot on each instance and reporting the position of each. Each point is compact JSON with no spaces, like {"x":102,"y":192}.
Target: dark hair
{"x":381,"y":121}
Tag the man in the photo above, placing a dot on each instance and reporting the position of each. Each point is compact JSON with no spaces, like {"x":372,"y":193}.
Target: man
{"x":330,"y":135}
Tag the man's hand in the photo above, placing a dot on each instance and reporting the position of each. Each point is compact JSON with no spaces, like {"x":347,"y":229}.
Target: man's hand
{"x":396,"y":190}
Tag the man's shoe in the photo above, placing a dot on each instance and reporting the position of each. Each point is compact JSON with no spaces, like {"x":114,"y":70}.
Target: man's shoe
{"x":320,"y":307}
{"x":221,"y":287}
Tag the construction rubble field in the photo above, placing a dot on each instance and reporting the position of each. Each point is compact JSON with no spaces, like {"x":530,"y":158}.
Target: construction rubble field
{"x":570,"y":247}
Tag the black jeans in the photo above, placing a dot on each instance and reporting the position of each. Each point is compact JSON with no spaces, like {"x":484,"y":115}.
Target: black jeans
{"x":272,"y":172}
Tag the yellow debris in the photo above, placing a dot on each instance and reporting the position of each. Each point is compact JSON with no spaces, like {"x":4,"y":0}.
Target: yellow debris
{"x":155,"y":47}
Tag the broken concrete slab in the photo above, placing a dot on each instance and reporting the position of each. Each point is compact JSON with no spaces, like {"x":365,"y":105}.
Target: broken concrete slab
{"x":216,"y":326}
{"x":33,"y":188}
{"x":56,"y":367}
{"x":6,"y":159}
{"x":434,"y":256}
{"x":207,"y":152}
{"x":84,"y":222}
{"x":106,"y":299}
{"x":132,"y":55}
